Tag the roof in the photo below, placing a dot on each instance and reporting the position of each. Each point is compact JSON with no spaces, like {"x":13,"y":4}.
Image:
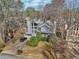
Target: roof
{"x":44,"y":24}
{"x":46,"y":27}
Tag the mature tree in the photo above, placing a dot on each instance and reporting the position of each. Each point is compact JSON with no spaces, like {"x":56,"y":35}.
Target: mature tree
{"x":9,"y":9}
{"x":31,"y":12}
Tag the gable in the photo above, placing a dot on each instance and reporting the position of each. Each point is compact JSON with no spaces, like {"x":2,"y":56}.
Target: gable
{"x":44,"y":28}
{"x":44,"y":25}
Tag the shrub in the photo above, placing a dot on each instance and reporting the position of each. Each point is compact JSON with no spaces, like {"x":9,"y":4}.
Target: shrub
{"x":19,"y":52}
{"x":39,"y":36}
{"x":33,"y":41}
{"x":45,"y":39}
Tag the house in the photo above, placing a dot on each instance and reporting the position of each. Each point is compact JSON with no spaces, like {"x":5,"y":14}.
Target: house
{"x":34,"y":26}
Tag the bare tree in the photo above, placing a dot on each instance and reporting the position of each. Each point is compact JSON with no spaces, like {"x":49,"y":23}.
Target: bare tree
{"x":54,"y":9}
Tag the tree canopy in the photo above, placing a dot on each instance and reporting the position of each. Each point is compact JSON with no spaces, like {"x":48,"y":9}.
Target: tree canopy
{"x":31,"y":12}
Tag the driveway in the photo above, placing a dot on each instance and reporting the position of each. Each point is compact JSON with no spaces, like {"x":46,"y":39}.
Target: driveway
{"x":8,"y":56}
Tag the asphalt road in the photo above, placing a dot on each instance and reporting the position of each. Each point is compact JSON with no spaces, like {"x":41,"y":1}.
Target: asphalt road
{"x":8,"y":56}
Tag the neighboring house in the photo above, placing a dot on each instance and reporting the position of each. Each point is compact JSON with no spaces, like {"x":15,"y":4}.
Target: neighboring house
{"x":34,"y":26}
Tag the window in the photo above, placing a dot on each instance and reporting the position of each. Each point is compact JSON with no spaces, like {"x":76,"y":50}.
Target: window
{"x":35,"y":24}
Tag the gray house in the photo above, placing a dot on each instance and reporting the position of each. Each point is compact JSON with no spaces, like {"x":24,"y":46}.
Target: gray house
{"x":34,"y":26}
